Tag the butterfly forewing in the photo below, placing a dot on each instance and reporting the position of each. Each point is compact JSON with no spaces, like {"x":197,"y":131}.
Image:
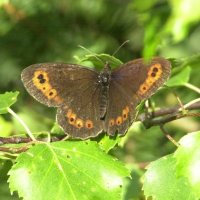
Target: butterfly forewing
{"x":54,"y":84}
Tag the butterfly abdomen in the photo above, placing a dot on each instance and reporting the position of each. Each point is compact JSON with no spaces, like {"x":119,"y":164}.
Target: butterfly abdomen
{"x":103,"y":101}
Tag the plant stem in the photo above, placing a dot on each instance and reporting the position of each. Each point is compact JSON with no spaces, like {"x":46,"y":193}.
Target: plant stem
{"x":23,"y":124}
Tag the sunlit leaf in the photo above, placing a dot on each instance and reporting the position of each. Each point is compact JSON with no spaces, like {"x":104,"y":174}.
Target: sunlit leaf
{"x":72,"y":170}
{"x":161,"y":183}
{"x":188,"y":163}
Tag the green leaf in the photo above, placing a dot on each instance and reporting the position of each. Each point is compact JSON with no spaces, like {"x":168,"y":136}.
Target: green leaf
{"x":173,"y":61}
{"x":188,"y":164}
{"x":6,"y":100}
{"x":152,"y":38}
{"x":140,"y":107}
{"x":192,"y":61}
{"x":70,"y":169}
{"x":90,"y":59}
{"x":108,"y":142}
{"x":184,"y":14}
{"x":161,"y":183}
{"x":180,"y":78}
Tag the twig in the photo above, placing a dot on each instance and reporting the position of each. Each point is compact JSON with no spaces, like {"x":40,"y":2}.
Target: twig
{"x":172,"y":118}
{"x":168,"y":136}
{"x":178,"y":99}
{"x":166,"y":111}
{"x":192,"y":87}
{"x":17,"y":140}
{"x":13,"y":150}
{"x":190,"y":103}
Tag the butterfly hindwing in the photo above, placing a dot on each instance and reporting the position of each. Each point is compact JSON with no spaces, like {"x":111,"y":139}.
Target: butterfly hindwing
{"x":80,"y":118}
{"x":121,"y":110}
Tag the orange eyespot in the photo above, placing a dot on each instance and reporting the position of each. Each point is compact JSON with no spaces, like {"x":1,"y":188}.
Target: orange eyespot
{"x":51,"y":94}
{"x":89,"y":124}
{"x":111,"y":122}
{"x":124,"y":114}
{"x":79,"y":123}
{"x":72,"y":118}
{"x":119,"y":120}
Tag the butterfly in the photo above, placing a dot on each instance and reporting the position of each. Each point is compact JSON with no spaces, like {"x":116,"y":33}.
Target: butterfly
{"x":90,"y":101}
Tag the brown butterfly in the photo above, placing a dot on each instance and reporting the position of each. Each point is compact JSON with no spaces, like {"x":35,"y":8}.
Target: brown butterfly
{"x":91,"y":101}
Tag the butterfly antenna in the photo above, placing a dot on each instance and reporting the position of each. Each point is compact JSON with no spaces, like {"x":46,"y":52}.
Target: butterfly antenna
{"x":91,"y":53}
{"x":118,"y":49}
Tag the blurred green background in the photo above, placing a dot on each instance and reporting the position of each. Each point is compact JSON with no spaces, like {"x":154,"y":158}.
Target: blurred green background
{"x":34,"y":31}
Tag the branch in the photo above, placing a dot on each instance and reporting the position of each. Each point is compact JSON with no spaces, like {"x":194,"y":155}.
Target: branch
{"x":167,"y":111}
{"x":17,"y":140}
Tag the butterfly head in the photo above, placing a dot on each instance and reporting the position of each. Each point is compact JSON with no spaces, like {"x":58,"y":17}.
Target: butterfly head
{"x":104,"y":76}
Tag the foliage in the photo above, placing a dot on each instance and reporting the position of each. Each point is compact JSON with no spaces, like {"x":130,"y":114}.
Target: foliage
{"x":76,"y":173}
{"x":34,"y":31}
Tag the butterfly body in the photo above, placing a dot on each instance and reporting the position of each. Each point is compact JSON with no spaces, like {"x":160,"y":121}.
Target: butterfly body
{"x":104,"y":79}
{"x":91,"y":101}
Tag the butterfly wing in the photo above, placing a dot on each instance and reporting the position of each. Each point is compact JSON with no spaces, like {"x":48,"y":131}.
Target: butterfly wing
{"x":141,"y":80}
{"x":121,"y":110}
{"x":131,"y":83}
{"x":71,"y":88}
{"x":53,"y":84}
{"x":80,"y":118}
